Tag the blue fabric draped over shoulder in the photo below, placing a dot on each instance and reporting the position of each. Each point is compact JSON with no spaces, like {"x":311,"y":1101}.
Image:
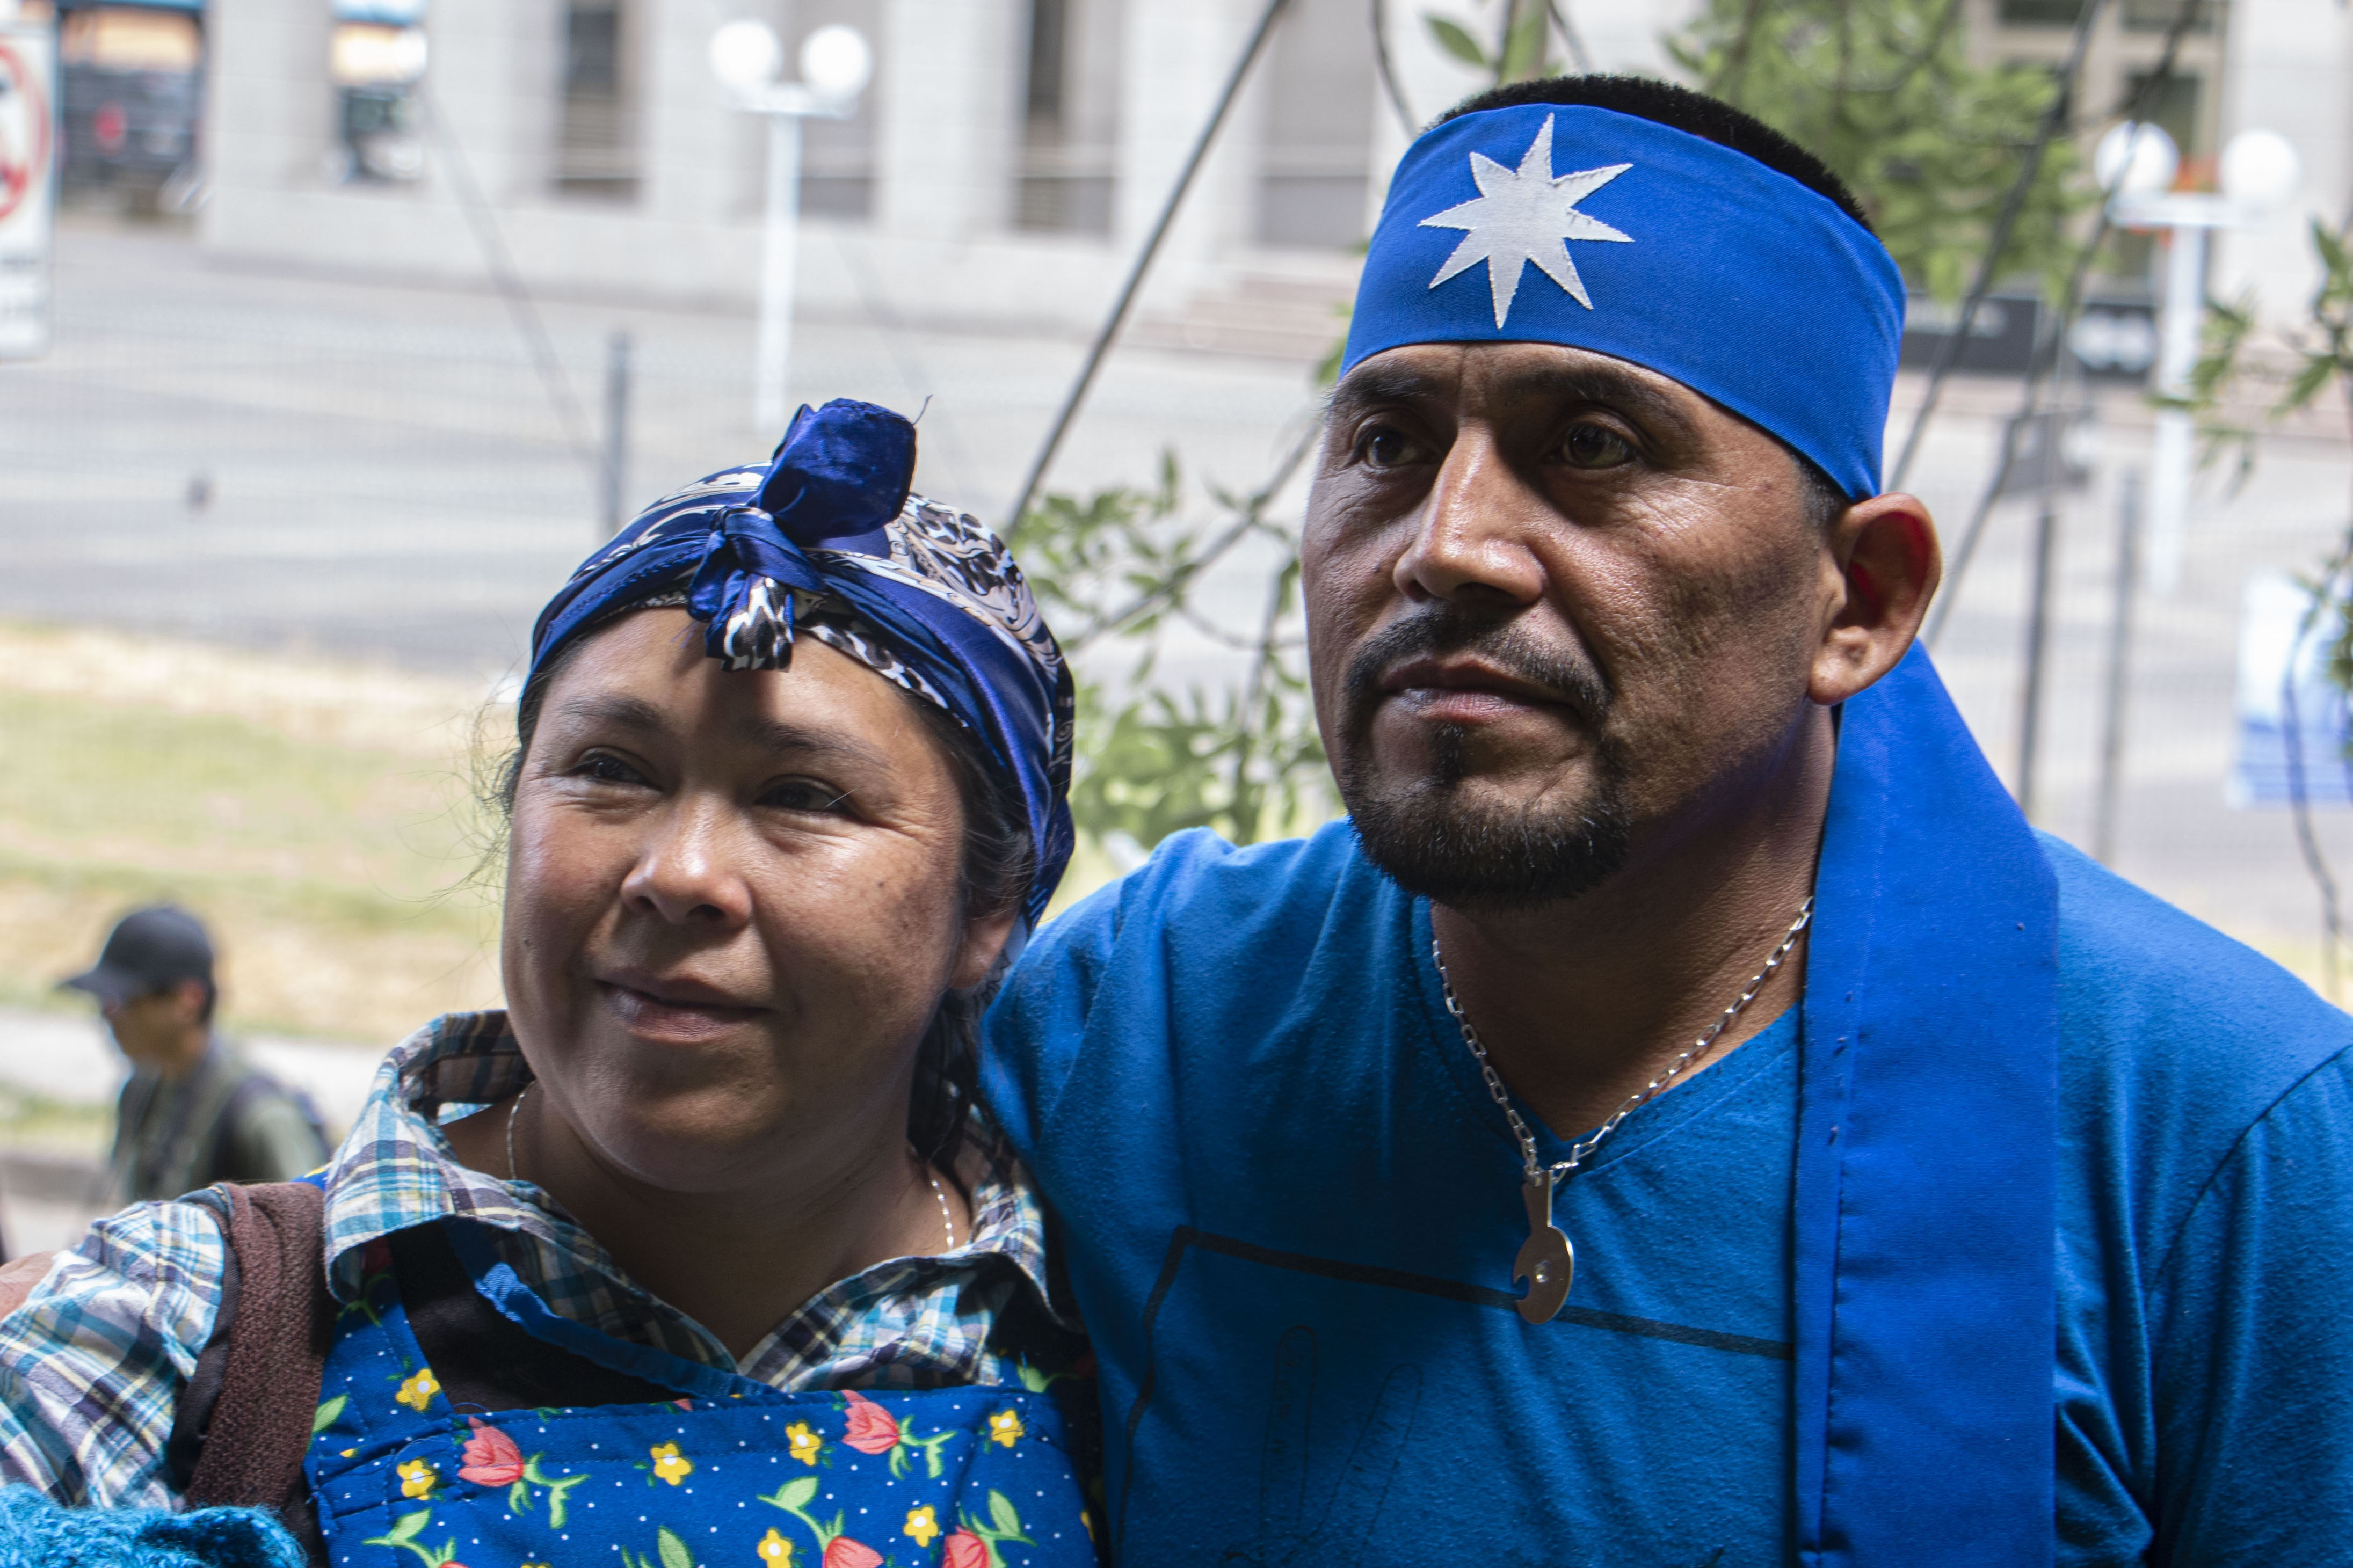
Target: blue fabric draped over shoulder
{"x":827,"y":540}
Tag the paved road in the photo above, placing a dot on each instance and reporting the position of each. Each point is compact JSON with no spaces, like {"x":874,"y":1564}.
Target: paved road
{"x":387,"y":475}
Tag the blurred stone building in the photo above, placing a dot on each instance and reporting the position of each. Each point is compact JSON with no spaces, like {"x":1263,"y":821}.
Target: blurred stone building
{"x":1010,"y":154}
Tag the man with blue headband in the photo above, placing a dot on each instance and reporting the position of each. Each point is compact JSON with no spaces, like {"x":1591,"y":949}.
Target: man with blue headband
{"x":1685,"y":1118}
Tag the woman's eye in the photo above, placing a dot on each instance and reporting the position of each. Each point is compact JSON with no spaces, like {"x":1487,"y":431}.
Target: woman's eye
{"x":606,"y":768}
{"x":805,"y":795}
{"x":1593,"y":447}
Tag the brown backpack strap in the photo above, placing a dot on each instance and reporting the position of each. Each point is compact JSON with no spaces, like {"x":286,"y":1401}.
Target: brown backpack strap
{"x":249,"y":1422}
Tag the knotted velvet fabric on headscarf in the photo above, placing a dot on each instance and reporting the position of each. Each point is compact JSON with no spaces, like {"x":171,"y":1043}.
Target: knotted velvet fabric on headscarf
{"x":826,"y":541}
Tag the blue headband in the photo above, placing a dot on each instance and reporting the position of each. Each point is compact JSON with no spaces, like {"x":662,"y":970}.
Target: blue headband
{"x":826,"y":541}
{"x":1650,"y":245}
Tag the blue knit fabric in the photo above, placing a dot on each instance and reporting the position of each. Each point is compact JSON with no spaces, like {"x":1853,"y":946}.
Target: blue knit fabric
{"x":36,"y":1532}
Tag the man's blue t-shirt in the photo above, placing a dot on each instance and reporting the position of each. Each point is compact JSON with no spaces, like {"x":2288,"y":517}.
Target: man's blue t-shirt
{"x":1290,"y":1211}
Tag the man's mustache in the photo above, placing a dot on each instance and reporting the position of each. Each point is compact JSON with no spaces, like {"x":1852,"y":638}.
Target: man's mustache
{"x":1441,"y":629}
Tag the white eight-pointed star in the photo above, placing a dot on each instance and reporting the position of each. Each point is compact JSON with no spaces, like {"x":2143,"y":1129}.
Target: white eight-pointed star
{"x":1526,"y":214}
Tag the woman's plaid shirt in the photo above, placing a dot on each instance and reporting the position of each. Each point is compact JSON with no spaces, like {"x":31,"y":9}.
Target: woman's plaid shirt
{"x":91,"y":1366}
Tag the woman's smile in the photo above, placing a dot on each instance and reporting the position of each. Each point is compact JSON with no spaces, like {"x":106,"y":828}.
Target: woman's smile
{"x":673,"y":1009}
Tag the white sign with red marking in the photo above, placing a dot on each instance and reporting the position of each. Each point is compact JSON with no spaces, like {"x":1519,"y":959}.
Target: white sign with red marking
{"x":29,"y":146}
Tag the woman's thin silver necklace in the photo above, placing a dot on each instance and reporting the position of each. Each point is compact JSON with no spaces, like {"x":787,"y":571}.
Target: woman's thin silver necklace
{"x":946,"y":1222}
{"x":1546,"y":1260}
{"x":515,"y":1105}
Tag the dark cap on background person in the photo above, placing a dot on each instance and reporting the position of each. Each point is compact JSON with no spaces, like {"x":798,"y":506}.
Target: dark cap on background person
{"x":149,"y":949}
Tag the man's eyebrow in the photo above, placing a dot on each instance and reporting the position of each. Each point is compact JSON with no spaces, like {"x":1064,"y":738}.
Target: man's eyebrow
{"x":1371,"y":387}
{"x":1604,"y":386}
{"x":1595,"y":385}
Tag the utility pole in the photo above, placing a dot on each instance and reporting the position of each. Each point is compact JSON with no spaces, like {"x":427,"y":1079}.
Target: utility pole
{"x":2120,"y":633}
{"x":616,"y":432}
{"x":2038,"y":645}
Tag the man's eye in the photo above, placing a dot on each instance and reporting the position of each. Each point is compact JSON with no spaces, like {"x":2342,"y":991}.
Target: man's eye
{"x":1383,"y":446}
{"x":1593,"y":447}
{"x":805,"y":795}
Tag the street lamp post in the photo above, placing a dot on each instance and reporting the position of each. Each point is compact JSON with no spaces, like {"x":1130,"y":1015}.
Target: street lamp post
{"x":835,"y":65}
{"x":2260,"y":172}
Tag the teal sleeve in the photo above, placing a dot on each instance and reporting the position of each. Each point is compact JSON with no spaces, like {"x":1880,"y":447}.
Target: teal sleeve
{"x":2254,"y":1354}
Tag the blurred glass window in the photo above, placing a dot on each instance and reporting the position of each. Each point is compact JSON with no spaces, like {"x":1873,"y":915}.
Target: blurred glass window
{"x":367,"y":54}
{"x":2039,"y":12}
{"x":130,"y":39}
{"x":1313,"y":182}
{"x":2159,"y":16}
{"x":376,"y":56}
{"x":1067,"y":149}
{"x":597,"y":141}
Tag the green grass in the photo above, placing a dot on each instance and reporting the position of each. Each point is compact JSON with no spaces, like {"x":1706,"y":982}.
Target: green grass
{"x":340,"y":881}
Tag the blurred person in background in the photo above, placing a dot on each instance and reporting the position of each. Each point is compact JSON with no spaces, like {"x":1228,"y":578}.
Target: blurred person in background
{"x":194,"y":1111}
{"x":704,"y":1223}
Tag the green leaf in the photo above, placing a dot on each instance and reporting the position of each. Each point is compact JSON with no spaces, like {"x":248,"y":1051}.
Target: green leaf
{"x":408,"y":1526}
{"x":794,"y":1495}
{"x":328,"y":1412}
{"x":1002,"y":1516}
{"x":2309,"y":379}
{"x":674,"y":1553}
{"x":1456,"y":42}
{"x":2333,"y":254}
{"x":1523,"y":48}
{"x":519,"y":1499}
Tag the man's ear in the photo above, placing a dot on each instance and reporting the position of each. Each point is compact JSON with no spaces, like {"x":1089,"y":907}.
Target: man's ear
{"x":1881,"y":564}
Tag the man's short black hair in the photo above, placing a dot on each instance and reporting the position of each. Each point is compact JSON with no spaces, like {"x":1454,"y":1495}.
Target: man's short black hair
{"x":1664,"y":103}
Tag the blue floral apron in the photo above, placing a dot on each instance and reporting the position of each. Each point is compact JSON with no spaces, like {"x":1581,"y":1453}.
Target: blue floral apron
{"x":730,"y":1474}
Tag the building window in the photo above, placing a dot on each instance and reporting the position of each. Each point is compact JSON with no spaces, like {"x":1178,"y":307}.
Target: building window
{"x":837,"y":156}
{"x":377,"y":60}
{"x":1314,"y":181}
{"x":1065,"y":182}
{"x":2140,"y":15}
{"x":596,"y":133}
{"x":2160,"y":15}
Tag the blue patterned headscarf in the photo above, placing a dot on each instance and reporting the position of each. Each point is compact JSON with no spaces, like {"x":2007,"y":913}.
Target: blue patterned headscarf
{"x":826,"y":541}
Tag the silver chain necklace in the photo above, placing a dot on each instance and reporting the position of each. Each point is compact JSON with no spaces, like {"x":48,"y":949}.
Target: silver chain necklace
{"x":1546,"y":1260}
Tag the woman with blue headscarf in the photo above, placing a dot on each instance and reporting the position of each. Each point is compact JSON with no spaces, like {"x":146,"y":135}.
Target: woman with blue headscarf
{"x":697,"y":1252}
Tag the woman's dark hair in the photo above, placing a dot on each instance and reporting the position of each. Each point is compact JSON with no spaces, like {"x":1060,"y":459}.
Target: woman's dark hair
{"x":998,"y":862}
{"x":998,"y":859}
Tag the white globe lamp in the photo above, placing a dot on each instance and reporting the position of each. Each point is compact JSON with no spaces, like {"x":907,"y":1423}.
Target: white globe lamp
{"x":835,"y":62}
{"x":2135,"y":159}
{"x":747,"y":55}
{"x":2261,"y":170}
